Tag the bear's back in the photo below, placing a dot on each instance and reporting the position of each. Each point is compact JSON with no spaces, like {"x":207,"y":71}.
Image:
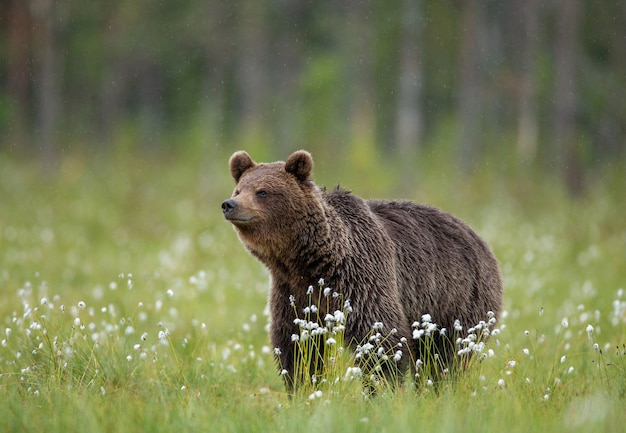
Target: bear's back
{"x":360,"y":231}
{"x":443,"y":259}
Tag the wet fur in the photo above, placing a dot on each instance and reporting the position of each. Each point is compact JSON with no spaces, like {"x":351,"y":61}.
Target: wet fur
{"x":394,"y":260}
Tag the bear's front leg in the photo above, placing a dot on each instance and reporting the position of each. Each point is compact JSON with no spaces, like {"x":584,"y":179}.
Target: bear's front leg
{"x":282,"y":328}
{"x":284,"y":356}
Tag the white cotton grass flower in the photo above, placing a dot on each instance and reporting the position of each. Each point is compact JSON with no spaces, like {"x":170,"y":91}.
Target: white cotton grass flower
{"x":316,"y":394}
{"x":457,"y":325}
{"x":501,"y":383}
{"x":340,"y":317}
{"x":564,"y":322}
{"x":589,"y":330}
{"x":353,"y":373}
{"x":429,"y":328}
{"x":347,"y":307}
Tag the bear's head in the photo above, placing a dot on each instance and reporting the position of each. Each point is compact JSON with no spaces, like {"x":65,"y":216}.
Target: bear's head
{"x":270,"y":200}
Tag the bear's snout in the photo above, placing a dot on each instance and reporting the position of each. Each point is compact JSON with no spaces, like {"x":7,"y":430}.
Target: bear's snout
{"x":228,"y":206}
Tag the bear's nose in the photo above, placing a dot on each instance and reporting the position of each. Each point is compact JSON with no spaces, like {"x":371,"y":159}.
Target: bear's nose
{"x":228,"y":206}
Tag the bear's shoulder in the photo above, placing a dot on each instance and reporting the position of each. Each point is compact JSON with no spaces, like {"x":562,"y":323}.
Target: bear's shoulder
{"x":345,"y":203}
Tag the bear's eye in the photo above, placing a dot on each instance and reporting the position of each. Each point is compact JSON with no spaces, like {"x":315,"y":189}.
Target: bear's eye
{"x":261,"y":193}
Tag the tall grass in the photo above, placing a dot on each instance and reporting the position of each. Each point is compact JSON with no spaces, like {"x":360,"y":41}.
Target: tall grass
{"x":127,"y":304}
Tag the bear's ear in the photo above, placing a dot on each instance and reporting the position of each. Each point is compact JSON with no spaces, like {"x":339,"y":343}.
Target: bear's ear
{"x":239,"y":163}
{"x":300,"y":164}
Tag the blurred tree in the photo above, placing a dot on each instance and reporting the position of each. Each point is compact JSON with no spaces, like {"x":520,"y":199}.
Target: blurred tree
{"x":48,"y":20}
{"x":566,"y":137}
{"x":408,"y":127}
{"x":114,"y":81}
{"x":527,"y":127}
{"x":252,"y":71}
{"x":356,"y":78}
{"x":287,"y":46}
{"x":471,"y":82}
{"x":217,"y":29}
{"x":19,"y":35}
{"x":357,"y":39}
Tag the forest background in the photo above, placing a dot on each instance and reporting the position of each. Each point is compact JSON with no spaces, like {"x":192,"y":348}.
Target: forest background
{"x":527,"y":86}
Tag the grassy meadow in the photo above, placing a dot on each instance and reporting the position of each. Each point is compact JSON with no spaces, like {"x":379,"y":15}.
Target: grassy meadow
{"x":128,"y":304}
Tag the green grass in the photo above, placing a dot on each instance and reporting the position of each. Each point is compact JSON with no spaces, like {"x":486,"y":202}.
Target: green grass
{"x":127,"y":304}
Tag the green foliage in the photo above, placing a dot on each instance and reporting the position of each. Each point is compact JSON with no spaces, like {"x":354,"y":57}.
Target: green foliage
{"x":127,"y":303}
{"x":147,"y":72}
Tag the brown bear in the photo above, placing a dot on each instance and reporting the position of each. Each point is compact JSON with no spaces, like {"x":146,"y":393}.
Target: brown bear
{"x":403,"y":266}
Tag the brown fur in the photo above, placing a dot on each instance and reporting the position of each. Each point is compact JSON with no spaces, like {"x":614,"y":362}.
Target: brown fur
{"x":394,"y":260}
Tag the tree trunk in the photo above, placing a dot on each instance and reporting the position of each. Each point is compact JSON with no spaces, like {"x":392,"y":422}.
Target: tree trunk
{"x":19,"y":71}
{"x":360,"y":81}
{"x":252,"y":72}
{"x":47,"y":77}
{"x":408,"y":113}
{"x":565,"y":97}
{"x":471,"y":83}
{"x":287,"y":52}
{"x":220,"y":43}
{"x":527,"y":128}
